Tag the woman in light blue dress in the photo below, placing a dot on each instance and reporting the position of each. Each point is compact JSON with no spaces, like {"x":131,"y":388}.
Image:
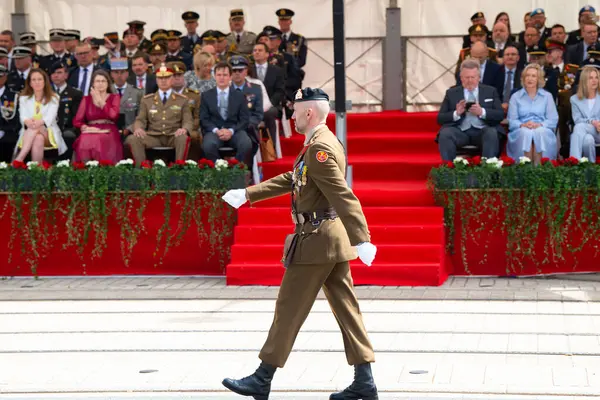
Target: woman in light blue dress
{"x":532,"y":119}
{"x":585,"y":106}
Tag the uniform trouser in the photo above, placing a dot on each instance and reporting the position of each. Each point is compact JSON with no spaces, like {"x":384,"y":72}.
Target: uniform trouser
{"x":297,"y":294}
{"x":564,"y":118}
{"x":139,"y":145}
{"x":583,"y":141}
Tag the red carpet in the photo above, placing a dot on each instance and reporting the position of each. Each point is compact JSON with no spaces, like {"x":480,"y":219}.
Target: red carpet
{"x":391,"y":154}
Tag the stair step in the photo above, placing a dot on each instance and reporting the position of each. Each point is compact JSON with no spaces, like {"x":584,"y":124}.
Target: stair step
{"x":380,"y":234}
{"x":383,"y":274}
{"x":374,"y":215}
{"x":409,"y":253}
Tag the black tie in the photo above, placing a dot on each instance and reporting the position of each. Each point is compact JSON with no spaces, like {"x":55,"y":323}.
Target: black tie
{"x":83,"y":85}
{"x":164,"y":98}
{"x":23,"y":75}
{"x":238,"y":39}
{"x":238,"y":89}
{"x":120,"y":90}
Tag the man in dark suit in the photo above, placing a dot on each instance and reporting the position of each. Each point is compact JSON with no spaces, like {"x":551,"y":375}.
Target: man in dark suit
{"x":511,"y":70}
{"x":70,"y":98}
{"x":9,"y":118}
{"x":224,"y":117}
{"x":140,"y":78}
{"x":502,"y":40}
{"x":191,"y":38}
{"x":470,"y":114}
{"x":270,"y":75}
{"x":490,"y":71}
{"x":578,"y":52}
{"x":586,"y":13}
{"x":81,"y":77}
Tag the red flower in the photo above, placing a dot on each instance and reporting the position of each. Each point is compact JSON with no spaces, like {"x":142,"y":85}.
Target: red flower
{"x":475,"y":161}
{"x":507,"y":161}
{"x":233,"y":162}
{"x":180,"y":163}
{"x":571,"y":161}
{"x":106,"y":163}
{"x":204,"y":163}
{"x":545,"y":160}
{"x":19,"y":165}
{"x":78,"y":165}
{"x":449,"y":164}
{"x":46,"y":164}
{"x":555,"y":163}
{"x":147,"y":164}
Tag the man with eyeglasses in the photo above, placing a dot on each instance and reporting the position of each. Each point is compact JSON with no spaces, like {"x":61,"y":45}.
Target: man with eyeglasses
{"x":512,"y":73}
{"x":81,"y":76}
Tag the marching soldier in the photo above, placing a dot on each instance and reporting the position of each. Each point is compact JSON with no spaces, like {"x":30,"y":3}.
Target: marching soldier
{"x":164,"y":119}
{"x":322,"y":203}
{"x":291,"y":42}
{"x":191,"y":38}
{"x":239,"y":40}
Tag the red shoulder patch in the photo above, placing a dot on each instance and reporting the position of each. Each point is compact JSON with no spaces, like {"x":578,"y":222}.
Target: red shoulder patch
{"x":322,"y":156}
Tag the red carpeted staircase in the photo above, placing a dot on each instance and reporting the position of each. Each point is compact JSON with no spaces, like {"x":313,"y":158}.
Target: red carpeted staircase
{"x":391,"y":154}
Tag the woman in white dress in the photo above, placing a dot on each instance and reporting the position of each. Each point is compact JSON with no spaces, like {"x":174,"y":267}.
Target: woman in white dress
{"x":38,"y":107}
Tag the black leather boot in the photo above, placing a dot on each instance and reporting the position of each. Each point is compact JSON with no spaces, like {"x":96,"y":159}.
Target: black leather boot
{"x":363,"y":387}
{"x":257,"y":385}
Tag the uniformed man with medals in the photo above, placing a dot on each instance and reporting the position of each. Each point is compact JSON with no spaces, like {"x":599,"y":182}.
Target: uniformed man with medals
{"x":330,"y":230}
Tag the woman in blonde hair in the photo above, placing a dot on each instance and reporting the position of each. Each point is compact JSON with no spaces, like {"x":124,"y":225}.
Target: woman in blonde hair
{"x":585,"y":106}
{"x":38,"y":108}
{"x":201,"y":78}
{"x":532,"y":119}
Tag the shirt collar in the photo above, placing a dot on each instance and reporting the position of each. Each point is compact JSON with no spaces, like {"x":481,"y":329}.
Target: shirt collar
{"x":312,"y":132}
{"x":162,"y":94}
{"x":239,"y":87}
{"x":122,"y":87}
{"x":60,"y":89}
{"x":226,"y":90}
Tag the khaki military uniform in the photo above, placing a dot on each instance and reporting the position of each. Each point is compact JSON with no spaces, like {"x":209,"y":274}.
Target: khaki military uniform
{"x":195,"y":149}
{"x":318,"y":253}
{"x":566,"y":80}
{"x":246,"y":45}
{"x":160,"y":121}
{"x":465,"y":54}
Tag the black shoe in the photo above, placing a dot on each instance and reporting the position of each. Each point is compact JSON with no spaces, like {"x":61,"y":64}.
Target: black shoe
{"x":257,"y":385}
{"x":363,"y":387}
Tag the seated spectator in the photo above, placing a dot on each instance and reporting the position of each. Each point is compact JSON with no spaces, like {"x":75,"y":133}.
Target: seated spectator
{"x":505,"y":19}
{"x":130,"y":96}
{"x":477,"y":19}
{"x":585,"y":107}
{"x":165,"y":120}
{"x":470,"y":115}
{"x":586,"y":13}
{"x":38,"y":108}
{"x":491,"y":72}
{"x":253,"y":93}
{"x":532,"y":119}
{"x":69,"y":100}
{"x":512,"y":74}
{"x":578,"y":52}
{"x":23,"y":66}
{"x":81,"y":77}
{"x":9,"y":120}
{"x":538,"y":55}
{"x":201,"y":78}
{"x":224,"y":117}
{"x":97,"y":119}
{"x":141,"y":79}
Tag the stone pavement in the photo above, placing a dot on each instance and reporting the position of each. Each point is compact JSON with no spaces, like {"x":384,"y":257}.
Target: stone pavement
{"x":167,"y":338}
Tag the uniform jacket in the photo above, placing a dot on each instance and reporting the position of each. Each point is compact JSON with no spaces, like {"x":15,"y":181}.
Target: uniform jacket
{"x":130,"y":105}
{"x":187,"y":45}
{"x":49,"y":112}
{"x":157,"y":118}
{"x":237,"y":116}
{"x":184,"y":57}
{"x":69,"y":101}
{"x":47,"y":61}
{"x":318,"y":182}
{"x":296,"y":46}
{"x":10,"y":126}
{"x":247,"y":42}
{"x":254,"y":101}
{"x":14,"y":81}
{"x":193,"y":97}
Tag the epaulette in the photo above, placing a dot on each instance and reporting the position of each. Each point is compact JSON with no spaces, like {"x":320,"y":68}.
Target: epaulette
{"x":180,"y":95}
{"x":193,"y":90}
{"x":149,"y":95}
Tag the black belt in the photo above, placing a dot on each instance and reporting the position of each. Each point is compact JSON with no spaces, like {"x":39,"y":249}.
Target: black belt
{"x":320,"y":215}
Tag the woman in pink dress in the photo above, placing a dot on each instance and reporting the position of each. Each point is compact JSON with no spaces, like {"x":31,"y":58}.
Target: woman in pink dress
{"x":97,"y":119}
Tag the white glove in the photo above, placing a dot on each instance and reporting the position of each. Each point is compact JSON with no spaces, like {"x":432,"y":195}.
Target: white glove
{"x":366,"y":252}
{"x":235,"y":198}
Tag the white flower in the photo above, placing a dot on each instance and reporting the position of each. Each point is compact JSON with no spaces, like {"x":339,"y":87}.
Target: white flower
{"x":499,"y":164}
{"x":457,"y":160}
{"x":3,"y":165}
{"x":128,"y":161}
{"x":221,"y":164}
{"x":159,"y":163}
{"x":524,"y":160}
{"x":32,"y":164}
{"x":191,"y":162}
{"x":584,"y":160}
{"x":63,"y":164}
{"x":92,"y":163}
{"x":492,"y":160}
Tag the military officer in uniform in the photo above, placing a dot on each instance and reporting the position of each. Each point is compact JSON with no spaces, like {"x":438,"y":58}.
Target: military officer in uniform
{"x":69,"y":100}
{"x":239,"y":40}
{"x":477,"y":33}
{"x":193,"y":96}
{"x":174,"y":51}
{"x":222,"y":52}
{"x":131,"y":96}
{"x":158,"y":56}
{"x":291,"y":42}
{"x":329,"y":222}
{"x":17,"y":77}
{"x":27,"y":39}
{"x":57,"y":43}
{"x":165,"y":120}
{"x":191,"y":38}
{"x":138,"y":26}
{"x":9,"y":118}
{"x":478,"y":19}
